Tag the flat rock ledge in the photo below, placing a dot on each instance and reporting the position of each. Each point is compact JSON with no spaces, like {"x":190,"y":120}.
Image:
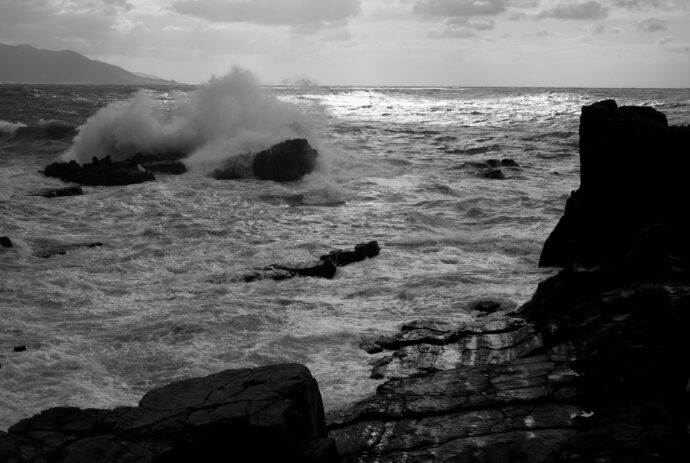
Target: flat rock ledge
{"x":271,"y":413}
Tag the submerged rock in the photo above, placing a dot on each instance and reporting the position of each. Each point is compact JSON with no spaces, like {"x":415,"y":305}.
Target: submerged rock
{"x":62,"y":249}
{"x":60,"y":192}
{"x":326,"y":269}
{"x":5,"y":242}
{"x":271,"y":413}
{"x":494,"y":174}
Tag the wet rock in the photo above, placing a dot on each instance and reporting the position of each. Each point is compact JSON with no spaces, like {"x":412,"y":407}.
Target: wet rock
{"x":60,"y":192}
{"x":62,"y":249}
{"x":271,"y":413}
{"x":325,"y":269}
{"x":100,"y":172}
{"x":494,"y":174}
{"x":362,"y":251}
{"x":5,"y":242}
{"x":172,"y":168}
{"x":287,"y":161}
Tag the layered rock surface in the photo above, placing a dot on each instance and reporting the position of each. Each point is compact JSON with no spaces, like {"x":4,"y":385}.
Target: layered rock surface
{"x":594,"y":368}
{"x":271,"y":413}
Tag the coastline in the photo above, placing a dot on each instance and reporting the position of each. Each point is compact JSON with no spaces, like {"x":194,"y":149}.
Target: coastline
{"x":565,"y":377}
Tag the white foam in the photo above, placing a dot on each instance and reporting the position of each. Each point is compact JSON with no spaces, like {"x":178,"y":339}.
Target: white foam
{"x":8,"y":128}
{"x":223,"y":118}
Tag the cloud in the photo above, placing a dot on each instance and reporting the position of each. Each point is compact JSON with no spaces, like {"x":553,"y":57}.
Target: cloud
{"x":445,"y":8}
{"x":595,"y":29}
{"x":584,"y":10}
{"x":650,"y":4}
{"x":270,"y":12}
{"x":651,"y":25}
{"x":461,"y":28}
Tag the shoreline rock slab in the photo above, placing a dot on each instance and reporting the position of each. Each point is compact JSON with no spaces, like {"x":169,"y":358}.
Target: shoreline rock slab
{"x":271,"y":413}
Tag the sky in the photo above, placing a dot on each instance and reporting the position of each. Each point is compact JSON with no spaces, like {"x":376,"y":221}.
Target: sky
{"x":567,"y":43}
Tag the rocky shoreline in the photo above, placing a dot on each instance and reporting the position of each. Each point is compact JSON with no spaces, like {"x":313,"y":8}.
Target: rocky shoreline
{"x":594,"y":368}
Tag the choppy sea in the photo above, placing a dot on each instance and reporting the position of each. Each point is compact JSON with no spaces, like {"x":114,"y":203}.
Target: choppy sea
{"x":162,"y":299}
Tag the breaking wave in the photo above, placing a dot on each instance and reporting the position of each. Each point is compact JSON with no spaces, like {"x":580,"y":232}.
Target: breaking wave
{"x":215,"y":124}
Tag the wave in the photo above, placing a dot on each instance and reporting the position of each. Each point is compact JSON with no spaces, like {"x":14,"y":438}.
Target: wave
{"x":51,"y":129}
{"x":215,"y":125}
{"x":8,"y":128}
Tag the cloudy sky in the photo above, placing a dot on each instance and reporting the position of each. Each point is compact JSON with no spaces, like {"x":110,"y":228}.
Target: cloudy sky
{"x":590,"y":43}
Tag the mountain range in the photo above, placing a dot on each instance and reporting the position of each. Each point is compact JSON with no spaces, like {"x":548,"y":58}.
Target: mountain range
{"x":27,"y":64}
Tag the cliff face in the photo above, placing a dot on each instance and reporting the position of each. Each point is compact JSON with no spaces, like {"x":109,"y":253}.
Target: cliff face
{"x":595,"y":367}
{"x":26,"y":64}
{"x":633,"y":192}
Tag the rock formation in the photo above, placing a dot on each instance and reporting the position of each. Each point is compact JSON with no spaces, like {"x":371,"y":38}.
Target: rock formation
{"x":632,"y":189}
{"x":100,"y":172}
{"x":285,"y":162}
{"x":325,"y":269}
{"x":595,"y":367}
{"x":271,"y":413}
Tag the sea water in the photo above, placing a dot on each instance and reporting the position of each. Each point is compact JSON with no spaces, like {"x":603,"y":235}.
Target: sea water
{"x":163,"y":298}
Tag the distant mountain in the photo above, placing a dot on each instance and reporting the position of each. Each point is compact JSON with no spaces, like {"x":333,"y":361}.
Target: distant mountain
{"x":26,"y":64}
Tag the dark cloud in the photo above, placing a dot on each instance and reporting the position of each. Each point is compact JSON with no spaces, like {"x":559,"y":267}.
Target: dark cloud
{"x":446,"y":8}
{"x":652,"y":25}
{"x":270,"y":12}
{"x":644,"y":4}
{"x":584,"y":10}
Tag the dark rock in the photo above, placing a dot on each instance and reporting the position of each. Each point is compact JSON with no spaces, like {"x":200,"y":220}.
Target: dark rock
{"x":509,"y":163}
{"x":173,"y":168}
{"x":100,"y":172}
{"x":326,"y":269}
{"x":287,"y":161}
{"x":494,"y":174}
{"x":5,"y":242}
{"x":271,"y":413}
{"x":362,"y":251}
{"x":59,"y":192}
{"x":491,"y":305}
{"x":19,"y":348}
{"x":62,"y":249}
{"x":626,"y":185}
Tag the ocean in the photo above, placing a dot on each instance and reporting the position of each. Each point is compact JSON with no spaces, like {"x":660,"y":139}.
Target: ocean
{"x":163,"y":299}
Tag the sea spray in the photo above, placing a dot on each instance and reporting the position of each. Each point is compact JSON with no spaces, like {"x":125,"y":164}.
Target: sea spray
{"x":215,"y":125}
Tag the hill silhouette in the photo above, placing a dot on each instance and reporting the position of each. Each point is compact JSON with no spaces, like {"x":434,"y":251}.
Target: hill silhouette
{"x":27,"y":64}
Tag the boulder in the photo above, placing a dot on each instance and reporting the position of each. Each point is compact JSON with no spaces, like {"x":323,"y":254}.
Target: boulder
{"x":271,"y":413}
{"x":285,"y":162}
